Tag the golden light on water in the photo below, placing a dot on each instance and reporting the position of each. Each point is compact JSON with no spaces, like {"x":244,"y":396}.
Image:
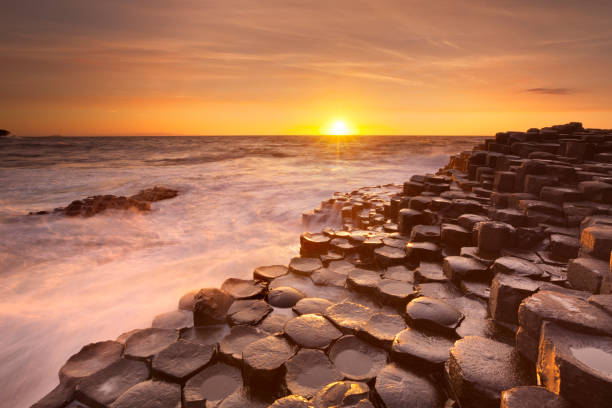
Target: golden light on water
{"x":338,"y":127}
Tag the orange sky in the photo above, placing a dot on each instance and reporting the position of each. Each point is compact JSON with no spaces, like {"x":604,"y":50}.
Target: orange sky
{"x":118,"y":67}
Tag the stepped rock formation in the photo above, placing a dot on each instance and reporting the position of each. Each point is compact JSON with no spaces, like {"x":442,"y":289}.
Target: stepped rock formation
{"x":457,"y":289}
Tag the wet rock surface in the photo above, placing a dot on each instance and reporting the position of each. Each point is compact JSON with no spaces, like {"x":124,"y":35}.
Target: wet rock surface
{"x":180,"y":360}
{"x":427,"y":292}
{"x":356,"y":359}
{"x":309,"y":371}
{"x":479,"y":369}
{"x":312,"y":331}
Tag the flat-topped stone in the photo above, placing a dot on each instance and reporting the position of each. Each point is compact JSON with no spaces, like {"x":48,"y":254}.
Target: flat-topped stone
{"x":363,"y":280}
{"x":590,"y":274}
{"x":269,"y":272}
{"x":104,"y":387}
{"x":565,"y":310}
{"x":596,"y":241}
{"x":326,"y":277}
{"x":356,"y":359}
{"x":455,"y":235}
{"x":181,"y":360}
{"x":205,"y":335}
{"x":421,"y":348}
{"x":211,"y":385}
{"x":311,"y":331}
{"x":386,"y":256}
{"x":395,"y":292}
{"x":507,"y":293}
{"x":177,"y":320}
{"x":575,"y":365}
{"x":314,"y":243}
{"x":458,"y":268}
{"x":263,"y":364}
{"x":145,"y":343}
{"x":429,"y":272}
{"x":433,"y":314}
{"x":90,"y":359}
{"x":251,"y":311}
{"x":479,"y":369}
{"x":292,"y":401}
{"x":284,"y":296}
{"x":348,"y":315}
{"x":494,"y":235}
{"x":400,"y":388}
{"x":511,"y":265}
{"x":309,"y":371}
{"x":311,"y":305}
{"x":382,"y":328}
{"x":239,"y":337}
{"x":399,"y":272}
{"x":152,"y":394}
{"x":305,"y":266}
{"x":532,"y":396}
{"x":243,"y":288}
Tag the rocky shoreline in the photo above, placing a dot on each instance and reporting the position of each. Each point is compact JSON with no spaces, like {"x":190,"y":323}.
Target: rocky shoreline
{"x":486,"y":284}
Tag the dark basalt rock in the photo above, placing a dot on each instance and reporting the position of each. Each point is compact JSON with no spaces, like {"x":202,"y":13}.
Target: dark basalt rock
{"x":267,"y":273}
{"x":284,"y":296}
{"x":325,"y":277}
{"x":343,"y":246}
{"x":341,"y":267}
{"x":152,"y":394}
{"x":596,"y":241}
{"x":211,"y":306}
{"x":563,"y":247}
{"x":144,"y":344}
{"x":89,"y":360}
{"x":311,"y":305}
{"x":458,"y":268}
{"x":507,"y":293}
{"x":275,"y":321}
{"x":205,"y":335}
{"x":421,"y":348}
{"x":576,"y":366}
{"x":330,"y":257}
{"x":604,"y":302}
{"x":91,"y":206}
{"x":181,"y":360}
{"x":314,"y":244}
{"x":480,"y":369}
{"x":243,"y":289}
{"x":468,"y":221}
{"x":517,"y":267}
{"x":241,"y":398}
{"x":589,"y":274}
{"x":104,"y":387}
{"x":356,"y":359}
{"x":408,"y":218}
{"x":61,"y":396}
{"x":475,"y":321}
{"x":438,"y":290}
{"x":433,"y":314}
{"x":305,"y":266}
{"x":311,"y":331}
{"x":400,"y":388}
{"x":239,"y":337}
{"x":248,"y":312}
{"x":494,"y":235}
{"x":309,"y":371}
{"x":263,"y":364}
{"x":211,"y":385}
{"x":349,"y":316}
{"x":422,"y":233}
{"x":395,"y":292}
{"x":531,"y":396}
{"x":400,"y":273}
{"x":154,"y":194}
{"x":363,"y":280}
{"x":292,"y":401}
{"x":565,"y":310}
{"x":455,"y":235}
{"x":476,"y":289}
{"x":422,"y":251}
{"x":382,"y":328}
{"x":386,"y":256}
{"x":429,"y":272}
{"x":177,"y":320}
{"x":349,"y":394}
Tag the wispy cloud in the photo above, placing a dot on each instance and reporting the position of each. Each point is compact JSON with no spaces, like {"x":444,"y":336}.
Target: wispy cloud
{"x":550,"y":91}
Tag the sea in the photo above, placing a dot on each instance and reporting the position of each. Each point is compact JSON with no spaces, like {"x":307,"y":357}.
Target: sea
{"x":66,"y":282}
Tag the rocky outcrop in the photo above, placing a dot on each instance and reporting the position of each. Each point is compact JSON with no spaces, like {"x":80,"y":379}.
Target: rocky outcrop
{"x":454,"y":289}
{"x":91,"y":206}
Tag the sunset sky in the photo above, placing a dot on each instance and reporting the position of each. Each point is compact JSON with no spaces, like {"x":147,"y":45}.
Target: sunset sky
{"x":121,"y":67}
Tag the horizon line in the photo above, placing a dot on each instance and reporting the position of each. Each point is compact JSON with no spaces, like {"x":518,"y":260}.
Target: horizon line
{"x":255,"y":135}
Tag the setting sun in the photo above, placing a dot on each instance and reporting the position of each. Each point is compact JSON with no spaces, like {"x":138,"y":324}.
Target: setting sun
{"x":338,"y":127}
